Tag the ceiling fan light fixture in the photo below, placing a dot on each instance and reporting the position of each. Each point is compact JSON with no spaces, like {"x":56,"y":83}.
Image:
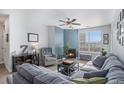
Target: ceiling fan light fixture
{"x":69,"y":22}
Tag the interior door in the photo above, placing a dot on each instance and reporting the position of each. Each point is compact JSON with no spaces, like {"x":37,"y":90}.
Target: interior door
{"x":1,"y":44}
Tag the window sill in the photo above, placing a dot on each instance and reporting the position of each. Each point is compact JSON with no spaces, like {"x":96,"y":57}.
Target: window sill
{"x":89,"y":52}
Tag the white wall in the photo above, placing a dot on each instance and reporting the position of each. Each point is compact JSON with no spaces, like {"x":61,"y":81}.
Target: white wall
{"x":116,"y":47}
{"x":23,"y":21}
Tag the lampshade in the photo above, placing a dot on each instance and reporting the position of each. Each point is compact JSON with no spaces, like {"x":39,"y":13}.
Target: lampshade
{"x":35,"y":46}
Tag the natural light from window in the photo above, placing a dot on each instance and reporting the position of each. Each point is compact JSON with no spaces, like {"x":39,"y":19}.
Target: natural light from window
{"x":90,"y":41}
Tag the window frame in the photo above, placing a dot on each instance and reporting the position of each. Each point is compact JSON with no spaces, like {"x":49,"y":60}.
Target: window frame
{"x":88,"y":41}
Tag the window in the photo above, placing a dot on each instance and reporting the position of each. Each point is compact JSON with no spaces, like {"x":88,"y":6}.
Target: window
{"x":90,"y":41}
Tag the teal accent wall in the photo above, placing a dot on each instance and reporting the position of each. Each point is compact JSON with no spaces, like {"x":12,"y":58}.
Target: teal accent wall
{"x":58,"y":38}
{"x":71,"y":38}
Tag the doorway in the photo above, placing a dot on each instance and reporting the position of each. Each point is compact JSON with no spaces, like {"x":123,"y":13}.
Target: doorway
{"x":1,"y":43}
{"x":4,"y":40}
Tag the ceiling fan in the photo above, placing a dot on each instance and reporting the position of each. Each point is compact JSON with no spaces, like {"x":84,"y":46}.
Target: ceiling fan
{"x":69,"y":22}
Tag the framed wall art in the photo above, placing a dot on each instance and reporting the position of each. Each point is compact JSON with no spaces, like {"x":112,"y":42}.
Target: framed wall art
{"x":117,"y":25}
{"x":119,"y":40}
{"x":7,"y":37}
{"x":122,"y":41}
{"x":122,"y":14}
{"x":32,"y":37}
{"x":106,"y":39}
{"x":117,"y":35}
{"x":122,"y":28}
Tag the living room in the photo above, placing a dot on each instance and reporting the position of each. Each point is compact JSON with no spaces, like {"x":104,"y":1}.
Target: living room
{"x":83,"y":33}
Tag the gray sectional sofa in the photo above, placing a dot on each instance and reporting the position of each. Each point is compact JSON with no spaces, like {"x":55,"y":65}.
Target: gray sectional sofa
{"x":112,"y":68}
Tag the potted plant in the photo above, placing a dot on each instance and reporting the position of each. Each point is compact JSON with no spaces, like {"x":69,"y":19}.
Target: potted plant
{"x":66,"y":47}
{"x":103,"y":52}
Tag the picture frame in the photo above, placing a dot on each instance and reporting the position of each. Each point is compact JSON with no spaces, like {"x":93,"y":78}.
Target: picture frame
{"x":106,"y":39}
{"x":122,"y":14}
{"x":120,"y":17}
{"x":123,"y":41}
{"x":33,"y":37}
{"x":117,"y":35}
{"x":106,"y":42}
{"x":7,"y":37}
{"x":119,"y":40}
{"x":117,"y":25}
{"x":122,"y":28}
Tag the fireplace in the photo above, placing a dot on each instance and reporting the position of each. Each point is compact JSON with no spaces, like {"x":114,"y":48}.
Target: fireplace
{"x":71,"y":53}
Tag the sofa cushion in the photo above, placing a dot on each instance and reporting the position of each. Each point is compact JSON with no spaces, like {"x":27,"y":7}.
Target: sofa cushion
{"x":50,"y":78}
{"x":101,"y":73}
{"x":94,"y":80}
{"x":44,"y":71}
{"x":28,"y":71}
{"x":43,"y":79}
{"x":99,"y":61}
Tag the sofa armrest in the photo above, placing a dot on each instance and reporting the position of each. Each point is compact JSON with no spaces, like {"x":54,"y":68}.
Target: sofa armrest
{"x":16,"y":78}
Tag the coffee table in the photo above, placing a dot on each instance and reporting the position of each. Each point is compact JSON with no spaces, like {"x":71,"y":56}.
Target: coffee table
{"x":68,"y":69}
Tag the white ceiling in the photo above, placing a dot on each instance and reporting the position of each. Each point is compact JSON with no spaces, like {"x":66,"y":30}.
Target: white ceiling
{"x":87,"y":17}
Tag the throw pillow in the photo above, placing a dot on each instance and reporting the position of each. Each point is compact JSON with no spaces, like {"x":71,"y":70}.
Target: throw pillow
{"x":99,"y":61}
{"x":94,"y":80}
{"x":101,"y":73}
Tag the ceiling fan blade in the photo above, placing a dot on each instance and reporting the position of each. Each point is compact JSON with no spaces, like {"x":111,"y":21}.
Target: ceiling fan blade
{"x":61,"y":24}
{"x":76,"y":24}
{"x":73,"y":20}
{"x":62,"y":21}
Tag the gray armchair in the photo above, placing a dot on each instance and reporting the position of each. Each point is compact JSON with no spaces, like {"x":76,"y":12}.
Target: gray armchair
{"x":47,"y":57}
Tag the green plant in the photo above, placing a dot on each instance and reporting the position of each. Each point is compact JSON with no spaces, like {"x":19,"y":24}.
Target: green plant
{"x":66,"y":47}
{"x":103,"y":52}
